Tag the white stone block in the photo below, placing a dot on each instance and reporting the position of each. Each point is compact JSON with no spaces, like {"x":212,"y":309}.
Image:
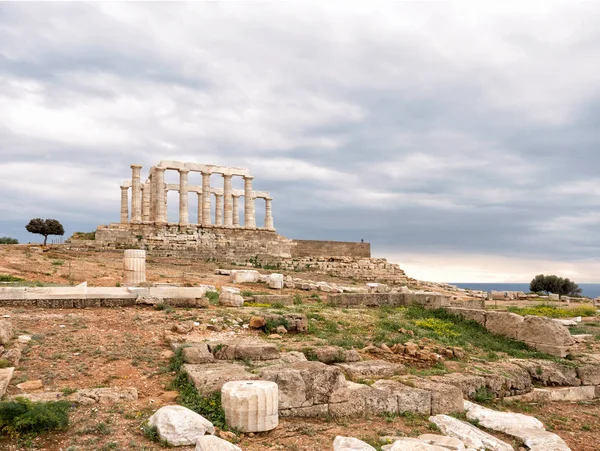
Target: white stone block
{"x":275,"y":281}
{"x":134,"y":267}
{"x":350,"y":444}
{"x":251,"y":406}
{"x":229,"y":299}
{"x":244,"y":276}
{"x":179,"y":425}
{"x":212,"y":443}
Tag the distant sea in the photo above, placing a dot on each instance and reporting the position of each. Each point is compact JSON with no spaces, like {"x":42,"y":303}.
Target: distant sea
{"x":591,"y":290}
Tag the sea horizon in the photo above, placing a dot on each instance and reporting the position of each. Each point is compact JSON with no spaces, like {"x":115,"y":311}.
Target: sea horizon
{"x":591,"y":290}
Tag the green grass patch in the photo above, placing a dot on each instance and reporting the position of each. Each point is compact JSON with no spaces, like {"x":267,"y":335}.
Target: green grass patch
{"x":213,"y":297}
{"x":21,"y":416}
{"x":552,"y":311}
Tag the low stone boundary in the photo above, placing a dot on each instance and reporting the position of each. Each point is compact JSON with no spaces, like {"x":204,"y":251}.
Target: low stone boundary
{"x":540,"y":333}
{"x":358,"y":300}
{"x":273,"y":299}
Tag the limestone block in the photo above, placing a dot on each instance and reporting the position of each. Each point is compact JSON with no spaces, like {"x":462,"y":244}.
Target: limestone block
{"x":244,"y":350}
{"x":537,"y":329}
{"x":251,"y":406}
{"x":503,"y":323}
{"x":408,"y":399}
{"x":210,"y":377}
{"x":476,"y":315}
{"x":178,"y":292}
{"x":197,"y":354}
{"x":244,"y":276}
{"x":468,"y":383}
{"x":566,"y":394}
{"x":55,"y":292}
{"x":451,"y":443}
{"x":6,"y":375}
{"x":330,"y":354}
{"x":212,"y":443}
{"x":371,"y":369}
{"x":445,"y":398}
{"x":275,"y":281}
{"x":414,"y":444}
{"x":134,"y":267}
{"x":546,"y":372}
{"x":589,"y":374}
{"x":469,"y":434}
{"x":12,"y":293}
{"x":6,"y":332}
{"x":316,"y":411}
{"x":349,"y":402}
{"x":233,"y":290}
{"x":179,"y":425}
{"x":228,"y":299}
{"x":505,"y":378}
{"x":350,"y":444}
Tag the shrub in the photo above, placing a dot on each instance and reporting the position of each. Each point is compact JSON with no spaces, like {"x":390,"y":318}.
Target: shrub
{"x":298,"y":300}
{"x":9,"y":278}
{"x":7,"y":240}
{"x":22,"y":416}
{"x":213,"y":296}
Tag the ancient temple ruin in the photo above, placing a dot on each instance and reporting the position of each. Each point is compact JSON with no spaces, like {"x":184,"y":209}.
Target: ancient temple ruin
{"x":149,"y":199}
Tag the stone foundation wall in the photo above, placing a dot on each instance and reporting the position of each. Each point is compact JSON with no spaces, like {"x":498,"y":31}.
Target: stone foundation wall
{"x":314,"y":248}
{"x":358,"y":300}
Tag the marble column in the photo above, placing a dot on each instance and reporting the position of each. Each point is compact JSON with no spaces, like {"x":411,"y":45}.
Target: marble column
{"x":219,"y":209}
{"x":184,"y":219}
{"x":166,"y":204}
{"x":227,"y":200}
{"x":136,"y":194}
{"x":124,"y":205}
{"x":236,"y":210}
{"x":146,"y":201}
{"x":161,"y":217}
{"x":199,"y":219}
{"x":206,"y":198}
{"x":249,"y":215}
{"x":152,"y":180}
{"x":268,"y":214}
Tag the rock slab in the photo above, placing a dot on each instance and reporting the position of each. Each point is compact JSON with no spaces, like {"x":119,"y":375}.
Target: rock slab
{"x":179,"y":425}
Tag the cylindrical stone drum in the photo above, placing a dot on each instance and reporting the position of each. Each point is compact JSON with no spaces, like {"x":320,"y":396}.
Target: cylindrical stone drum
{"x":134,"y":267}
{"x":251,"y":406}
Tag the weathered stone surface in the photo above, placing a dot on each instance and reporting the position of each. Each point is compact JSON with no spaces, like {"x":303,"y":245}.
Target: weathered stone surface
{"x":275,"y":281}
{"x":414,"y":444}
{"x":179,"y":425}
{"x":244,"y":350}
{"x":527,"y":428}
{"x":316,"y":411}
{"x":251,"y":406}
{"x":469,"y":434}
{"x":350,"y":444}
{"x":6,"y":375}
{"x":303,"y":384}
{"x":228,"y":299}
{"x":257,"y":322}
{"x":545,"y":331}
{"x":199,"y":353}
{"x":468,"y":383}
{"x":244,"y":276}
{"x":549,"y":373}
{"x":589,"y":374}
{"x":442,"y":440}
{"x":12,"y":356}
{"x":568,"y":394}
{"x":476,"y":315}
{"x":504,"y":378}
{"x":210,"y":377}
{"x":212,"y":443}
{"x":31,"y":385}
{"x":6,"y":332}
{"x":504,"y":323}
{"x":445,"y":398}
{"x":336,"y":354}
{"x":87,"y":396}
{"x":371,"y":369}
{"x":350,"y":401}
{"x":408,"y":399}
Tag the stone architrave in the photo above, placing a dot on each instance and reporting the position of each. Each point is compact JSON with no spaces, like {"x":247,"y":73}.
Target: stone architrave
{"x":134,"y":267}
{"x":206,"y":198}
{"x":136,"y":194}
{"x":227,"y":200}
{"x":249,"y":213}
{"x":146,"y":188}
{"x":161,"y":216}
{"x":124,"y":205}
{"x":219,"y":209}
{"x":251,"y":406}
{"x":183,"y":197}
{"x":236,"y":210}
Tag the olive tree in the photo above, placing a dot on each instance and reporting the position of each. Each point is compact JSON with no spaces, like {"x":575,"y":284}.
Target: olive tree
{"x":45,"y":227}
{"x":554,"y":284}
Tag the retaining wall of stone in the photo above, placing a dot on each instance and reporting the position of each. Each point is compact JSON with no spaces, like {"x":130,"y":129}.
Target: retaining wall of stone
{"x":360,"y":300}
{"x":315,"y":248}
{"x":540,"y":333}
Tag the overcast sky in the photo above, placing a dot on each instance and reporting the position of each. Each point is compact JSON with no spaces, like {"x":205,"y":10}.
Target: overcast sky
{"x":461,"y":139}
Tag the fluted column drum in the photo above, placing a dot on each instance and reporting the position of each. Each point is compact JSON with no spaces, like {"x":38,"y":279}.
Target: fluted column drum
{"x":134,"y":267}
{"x":251,"y":406}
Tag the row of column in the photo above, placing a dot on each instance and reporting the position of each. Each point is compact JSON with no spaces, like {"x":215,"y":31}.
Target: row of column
{"x":149,"y":201}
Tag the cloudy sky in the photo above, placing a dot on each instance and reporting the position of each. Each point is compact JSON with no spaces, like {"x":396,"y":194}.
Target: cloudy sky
{"x":461,"y":139}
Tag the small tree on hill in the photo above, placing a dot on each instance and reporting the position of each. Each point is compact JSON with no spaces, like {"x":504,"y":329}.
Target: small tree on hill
{"x":8,"y":240}
{"x":45,"y":227}
{"x":554,"y":284}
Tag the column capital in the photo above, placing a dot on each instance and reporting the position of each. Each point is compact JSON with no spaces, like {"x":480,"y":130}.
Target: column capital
{"x":160,"y":168}
{"x":183,"y":170}
{"x":227,"y":176}
{"x":124,"y":187}
{"x":136,"y":166}
{"x":250,"y":177}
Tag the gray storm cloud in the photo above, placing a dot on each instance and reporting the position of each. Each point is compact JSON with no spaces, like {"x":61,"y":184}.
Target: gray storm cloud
{"x":440,"y":129}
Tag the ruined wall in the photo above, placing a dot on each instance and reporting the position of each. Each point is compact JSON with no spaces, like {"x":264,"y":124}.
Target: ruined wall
{"x":314,"y":248}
